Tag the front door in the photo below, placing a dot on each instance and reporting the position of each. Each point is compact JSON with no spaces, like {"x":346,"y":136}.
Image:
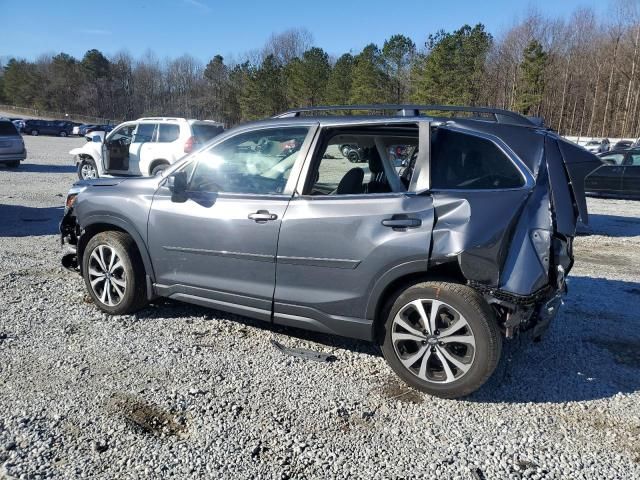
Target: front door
{"x":115,"y":151}
{"x":217,"y":245}
{"x":351,"y":224}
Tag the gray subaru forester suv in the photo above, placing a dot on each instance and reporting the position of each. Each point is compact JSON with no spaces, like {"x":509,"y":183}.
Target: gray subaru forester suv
{"x":436,"y":255}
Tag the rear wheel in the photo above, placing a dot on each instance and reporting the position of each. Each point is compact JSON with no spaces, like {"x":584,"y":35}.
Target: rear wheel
{"x":442,"y":338}
{"x":353,"y":156}
{"x":63,"y":133}
{"x":158,"y":169}
{"x":87,"y":169}
{"x":114,"y":273}
{"x":34,"y":133}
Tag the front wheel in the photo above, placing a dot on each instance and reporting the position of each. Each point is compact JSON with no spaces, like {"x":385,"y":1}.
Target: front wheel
{"x":34,"y":133}
{"x":87,"y":169}
{"x":158,"y":169}
{"x":114,"y":273}
{"x":63,"y":134}
{"x":442,"y":338}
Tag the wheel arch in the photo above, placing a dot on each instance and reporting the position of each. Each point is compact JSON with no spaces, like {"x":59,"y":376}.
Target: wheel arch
{"x":398,"y":279}
{"x":157,"y":162}
{"x":105,"y":223}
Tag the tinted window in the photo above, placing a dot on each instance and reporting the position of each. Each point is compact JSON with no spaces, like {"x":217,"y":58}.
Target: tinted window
{"x":144,"y":132}
{"x":463,"y":161}
{"x":256,"y":162}
{"x":168,"y":132}
{"x":204,"y":133}
{"x":8,"y":128}
{"x":613,"y":159}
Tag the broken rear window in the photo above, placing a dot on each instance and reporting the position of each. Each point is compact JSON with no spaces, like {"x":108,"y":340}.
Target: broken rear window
{"x":469,"y":162}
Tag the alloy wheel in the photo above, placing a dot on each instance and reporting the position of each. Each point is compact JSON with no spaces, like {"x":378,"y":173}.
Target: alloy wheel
{"x":433,"y":341}
{"x":107,"y":276}
{"x":88,"y":171}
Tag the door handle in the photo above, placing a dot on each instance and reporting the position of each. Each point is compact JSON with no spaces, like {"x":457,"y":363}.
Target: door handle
{"x":262,"y":216}
{"x":401,"y":222}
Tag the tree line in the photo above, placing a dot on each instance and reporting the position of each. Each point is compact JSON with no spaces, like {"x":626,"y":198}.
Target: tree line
{"x":580,"y":74}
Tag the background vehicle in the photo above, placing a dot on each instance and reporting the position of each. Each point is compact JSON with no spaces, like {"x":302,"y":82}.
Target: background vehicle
{"x":622,"y":145}
{"x":381,"y":252}
{"x":598,"y":146}
{"x":101,"y":128}
{"x":141,"y":147}
{"x":619,"y":175}
{"x":12,"y":150}
{"x":47,"y":127}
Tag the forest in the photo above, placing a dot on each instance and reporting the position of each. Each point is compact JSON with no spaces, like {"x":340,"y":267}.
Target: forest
{"x":580,"y":74}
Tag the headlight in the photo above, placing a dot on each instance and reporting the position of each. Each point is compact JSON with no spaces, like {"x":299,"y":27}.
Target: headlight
{"x":72,"y":195}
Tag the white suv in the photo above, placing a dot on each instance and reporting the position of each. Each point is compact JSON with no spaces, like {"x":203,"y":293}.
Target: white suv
{"x":142,"y":147}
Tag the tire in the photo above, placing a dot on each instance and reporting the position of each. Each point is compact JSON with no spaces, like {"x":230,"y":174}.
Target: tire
{"x":34,"y":133}
{"x":13,"y":164}
{"x":63,"y":134}
{"x":158,"y":169}
{"x":345,"y":149}
{"x":471,"y":355}
{"x":87,"y":169}
{"x":353,"y":157}
{"x":122,"y":289}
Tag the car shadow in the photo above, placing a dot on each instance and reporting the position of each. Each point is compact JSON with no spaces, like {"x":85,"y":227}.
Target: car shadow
{"x":41,"y":168}
{"x":591,"y":351}
{"x":21,"y":221}
{"x":610,"y":226}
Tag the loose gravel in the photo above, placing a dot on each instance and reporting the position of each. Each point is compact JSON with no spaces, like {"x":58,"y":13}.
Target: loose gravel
{"x":181,"y":391}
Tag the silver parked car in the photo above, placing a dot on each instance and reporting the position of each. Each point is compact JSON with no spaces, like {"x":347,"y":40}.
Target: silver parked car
{"x":12,"y":149}
{"x":436,"y":258}
{"x":598,"y":146}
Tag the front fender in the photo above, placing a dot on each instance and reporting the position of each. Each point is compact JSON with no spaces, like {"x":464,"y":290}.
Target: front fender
{"x":124,"y":225}
{"x":87,"y":149}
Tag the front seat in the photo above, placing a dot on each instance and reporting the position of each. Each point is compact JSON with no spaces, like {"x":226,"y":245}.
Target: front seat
{"x":351,"y":183}
{"x":378,"y":182}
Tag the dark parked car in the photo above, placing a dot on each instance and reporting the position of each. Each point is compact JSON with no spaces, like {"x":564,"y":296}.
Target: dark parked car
{"x":619,"y":174}
{"x":98,"y":128}
{"x":12,"y":150}
{"x":622,"y":145}
{"x":47,"y":127}
{"x":437,"y":260}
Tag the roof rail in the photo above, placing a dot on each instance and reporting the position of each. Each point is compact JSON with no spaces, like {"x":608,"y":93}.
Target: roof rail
{"x":499,"y":115}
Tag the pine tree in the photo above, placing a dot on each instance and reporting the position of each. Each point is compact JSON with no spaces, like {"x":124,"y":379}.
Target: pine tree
{"x":307,"y":77}
{"x":340,"y":81}
{"x":398,"y":52}
{"x":369,"y":80}
{"x":530,"y":88}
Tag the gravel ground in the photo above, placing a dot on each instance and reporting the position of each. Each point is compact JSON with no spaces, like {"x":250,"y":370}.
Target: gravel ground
{"x":188,"y":392}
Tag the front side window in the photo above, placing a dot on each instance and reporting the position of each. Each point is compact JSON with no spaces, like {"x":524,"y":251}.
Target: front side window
{"x":469,"y":162}
{"x":123,"y":134}
{"x":634,"y":159}
{"x":257,"y":162}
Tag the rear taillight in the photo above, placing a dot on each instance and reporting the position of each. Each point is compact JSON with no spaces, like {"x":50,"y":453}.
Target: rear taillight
{"x":190,"y":144}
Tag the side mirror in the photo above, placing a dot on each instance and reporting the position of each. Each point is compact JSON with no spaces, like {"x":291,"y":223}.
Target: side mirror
{"x":177,"y":183}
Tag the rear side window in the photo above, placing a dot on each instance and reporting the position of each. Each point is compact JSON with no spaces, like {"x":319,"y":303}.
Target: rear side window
{"x":469,"y":162}
{"x":8,"y":128}
{"x":204,"y":133}
{"x":613,"y":159}
{"x":168,"y":133}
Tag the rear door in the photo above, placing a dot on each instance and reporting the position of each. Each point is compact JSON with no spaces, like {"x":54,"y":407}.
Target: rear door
{"x":348,"y":227}
{"x":631,"y":176}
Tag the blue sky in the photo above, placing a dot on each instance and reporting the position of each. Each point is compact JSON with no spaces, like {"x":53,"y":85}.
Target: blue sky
{"x":204,"y":28}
